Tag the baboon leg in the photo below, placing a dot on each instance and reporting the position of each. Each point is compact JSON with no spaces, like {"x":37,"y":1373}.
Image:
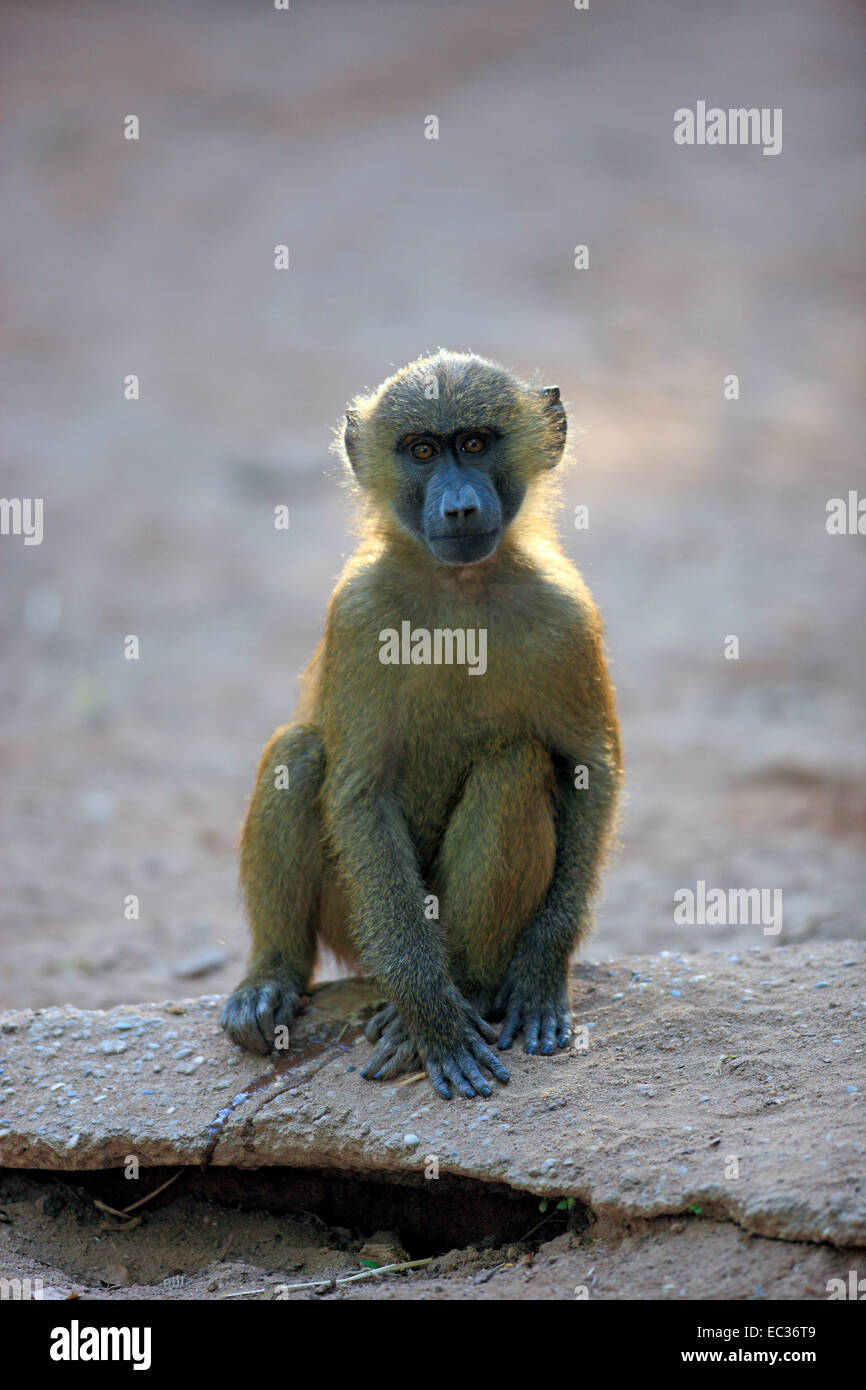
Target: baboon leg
{"x":496,"y":864}
{"x":282,"y":873}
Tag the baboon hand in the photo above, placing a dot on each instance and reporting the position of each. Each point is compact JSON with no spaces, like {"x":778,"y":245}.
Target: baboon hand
{"x":454,"y":1062}
{"x":253,"y":1013}
{"x":396,"y":1051}
{"x":543,"y":1016}
{"x":458,"y":1064}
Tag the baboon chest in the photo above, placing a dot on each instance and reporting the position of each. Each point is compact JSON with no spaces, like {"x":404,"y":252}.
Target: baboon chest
{"x":438,"y":739}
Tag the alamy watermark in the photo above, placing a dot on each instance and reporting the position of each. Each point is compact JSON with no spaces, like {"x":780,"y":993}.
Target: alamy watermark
{"x":20,"y":1290}
{"x":739,"y":125}
{"x":22,"y":516}
{"x":444,"y":646}
{"x":718,"y":907}
{"x":854,"y":1289}
{"x":846,"y":516}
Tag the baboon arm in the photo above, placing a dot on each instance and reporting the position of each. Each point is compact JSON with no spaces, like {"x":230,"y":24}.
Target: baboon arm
{"x":365,"y":826}
{"x":584,"y":819}
{"x":534,"y":994}
{"x":379,"y":870}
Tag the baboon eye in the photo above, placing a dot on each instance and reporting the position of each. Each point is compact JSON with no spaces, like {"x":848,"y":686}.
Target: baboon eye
{"x":474,"y":444}
{"x":423,"y":451}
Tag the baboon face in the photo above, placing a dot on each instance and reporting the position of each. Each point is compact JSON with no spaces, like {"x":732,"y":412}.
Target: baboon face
{"x":457,"y":498}
{"x":450,"y":445}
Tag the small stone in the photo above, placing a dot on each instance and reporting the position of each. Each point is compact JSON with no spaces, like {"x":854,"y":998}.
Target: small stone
{"x":187,"y":1068}
{"x":410,"y":1140}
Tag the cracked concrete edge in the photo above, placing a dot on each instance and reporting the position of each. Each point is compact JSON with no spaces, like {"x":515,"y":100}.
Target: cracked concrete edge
{"x":800,"y":1223}
{"x":834,"y":1212}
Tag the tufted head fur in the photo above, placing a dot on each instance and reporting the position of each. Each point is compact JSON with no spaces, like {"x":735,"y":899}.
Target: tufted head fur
{"x":445,"y":397}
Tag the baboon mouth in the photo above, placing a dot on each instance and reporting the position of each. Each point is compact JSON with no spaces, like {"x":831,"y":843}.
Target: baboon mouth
{"x":466,"y":548}
{"x":461,"y":536}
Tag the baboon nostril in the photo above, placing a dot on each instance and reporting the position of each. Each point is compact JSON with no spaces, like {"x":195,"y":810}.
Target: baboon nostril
{"x":460,"y":503}
{"x":459,"y":513}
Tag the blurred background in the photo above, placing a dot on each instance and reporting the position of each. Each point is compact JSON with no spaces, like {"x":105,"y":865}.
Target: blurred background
{"x":707,"y":516}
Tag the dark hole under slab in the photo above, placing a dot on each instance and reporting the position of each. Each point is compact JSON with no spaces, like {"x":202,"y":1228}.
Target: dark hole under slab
{"x":430,"y":1217}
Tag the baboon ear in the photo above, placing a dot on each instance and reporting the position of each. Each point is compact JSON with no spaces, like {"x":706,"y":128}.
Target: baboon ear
{"x":554,"y":411}
{"x":350,"y":437}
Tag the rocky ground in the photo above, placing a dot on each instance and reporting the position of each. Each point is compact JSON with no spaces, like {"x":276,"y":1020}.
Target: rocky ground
{"x":704,"y":1139}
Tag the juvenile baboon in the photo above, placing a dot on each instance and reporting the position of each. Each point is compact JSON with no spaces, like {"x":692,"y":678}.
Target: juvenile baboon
{"x":445,"y":820}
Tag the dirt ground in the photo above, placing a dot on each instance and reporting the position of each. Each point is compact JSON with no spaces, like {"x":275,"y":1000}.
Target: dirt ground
{"x":707,"y":516}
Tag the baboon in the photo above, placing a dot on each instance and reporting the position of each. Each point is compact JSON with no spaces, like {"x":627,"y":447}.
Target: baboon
{"x":443,"y":825}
